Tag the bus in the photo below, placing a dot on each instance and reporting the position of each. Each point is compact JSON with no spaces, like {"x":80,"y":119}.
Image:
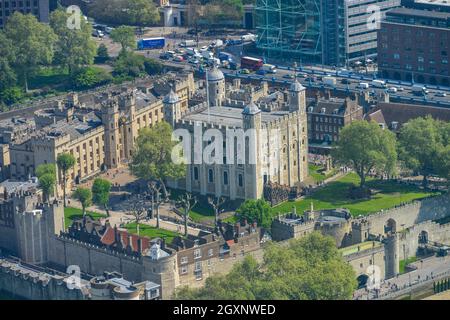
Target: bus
{"x":251,"y":63}
{"x":151,"y":43}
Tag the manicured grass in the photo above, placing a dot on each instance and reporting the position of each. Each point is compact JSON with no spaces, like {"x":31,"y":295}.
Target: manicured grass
{"x":335,"y":195}
{"x":317,"y":175}
{"x":152,"y":232}
{"x":203,"y":212}
{"x":71,"y":214}
{"x":404,"y":263}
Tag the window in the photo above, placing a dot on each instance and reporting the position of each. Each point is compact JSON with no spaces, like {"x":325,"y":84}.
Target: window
{"x":210,"y":252}
{"x":396,"y":56}
{"x":225,"y":178}
{"x":210,"y":176}
{"x":240,"y":182}
{"x":184,"y":260}
{"x":197,"y":253}
{"x":198,"y":266}
{"x":195,"y":173}
{"x":184,"y":269}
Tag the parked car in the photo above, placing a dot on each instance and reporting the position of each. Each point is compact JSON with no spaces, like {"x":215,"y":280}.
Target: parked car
{"x":244,"y":71}
{"x":392,"y":90}
{"x":178,"y":59}
{"x":441,"y":94}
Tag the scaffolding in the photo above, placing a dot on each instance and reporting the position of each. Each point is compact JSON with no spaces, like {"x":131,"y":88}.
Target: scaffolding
{"x":289,"y":29}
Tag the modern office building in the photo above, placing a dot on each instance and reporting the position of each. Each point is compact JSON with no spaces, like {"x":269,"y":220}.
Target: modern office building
{"x":415,"y":44}
{"x":331,"y":32}
{"x":39,"y":8}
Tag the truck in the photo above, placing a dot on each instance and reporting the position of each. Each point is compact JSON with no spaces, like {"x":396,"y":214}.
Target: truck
{"x":225,"y":56}
{"x":188,"y":43}
{"x":419,"y":90}
{"x":379,"y":83}
{"x":269,"y":68}
{"x":248,"y":37}
{"x":251,"y":63}
{"x":151,"y":43}
{"x":329,"y":81}
{"x":363,"y":85}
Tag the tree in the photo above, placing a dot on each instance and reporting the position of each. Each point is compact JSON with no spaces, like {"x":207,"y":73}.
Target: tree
{"x":124,"y":35}
{"x":187,"y":202}
{"x":310,"y":268}
{"x":128,"y":12}
{"x":8,"y":77}
{"x":138,"y":211}
{"x":420,"y":143}
{"x":131,"y":64}
{"x":65,"y":162}
{"x":152,"y":156}
{"x":101,"y":189}
{"x":90,"y":77}
{"x":46,"y":174}
{"x":102,"y":53}
{"x":364,"y":146}
{"x":33,"y":44}
{"x":255,"y":210}
{"x":74,"y":47}
{"x":216,"y":203}
{"x":83,"y":195}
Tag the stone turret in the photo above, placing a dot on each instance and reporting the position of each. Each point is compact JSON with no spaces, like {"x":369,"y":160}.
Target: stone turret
{"x":216,"y":86}
{"x":172,"y":108}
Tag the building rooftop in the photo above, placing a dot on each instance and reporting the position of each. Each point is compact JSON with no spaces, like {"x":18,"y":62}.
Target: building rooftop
{"x":417,"y":13}
{"x":228,"y":116}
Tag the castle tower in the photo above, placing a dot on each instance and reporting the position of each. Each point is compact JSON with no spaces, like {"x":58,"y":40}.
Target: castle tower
{"x":172,"y":108}
{"x":392,"y":254}
{"x":216,"y":87}
{"x":297,"y":94}
{"x":253,"y":174}
{"x":110,"y":119}
{"x":129,"y":129}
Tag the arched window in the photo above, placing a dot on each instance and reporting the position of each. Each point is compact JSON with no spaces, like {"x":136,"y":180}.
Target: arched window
{"x":225,"y":178}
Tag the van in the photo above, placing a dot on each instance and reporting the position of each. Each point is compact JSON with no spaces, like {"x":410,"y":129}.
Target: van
{"x":379,"y":83}
{"x":188,"y":43}
{"x":363,"y":85}
{"x":392,"y":90}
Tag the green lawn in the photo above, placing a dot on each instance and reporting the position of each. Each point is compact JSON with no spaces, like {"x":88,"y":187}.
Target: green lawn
{"x":404,"y":263}
{"x":152,"y":232}
{"x":317,"y":175}
{"x":49,"y":77}
{"x":71,"y":214}
{"x":203,"y":212}
{"x":388,"y":194}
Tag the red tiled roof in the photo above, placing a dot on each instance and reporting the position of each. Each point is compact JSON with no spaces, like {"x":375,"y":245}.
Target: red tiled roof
{"x":108,"y":239}
{"x":230,"y":242}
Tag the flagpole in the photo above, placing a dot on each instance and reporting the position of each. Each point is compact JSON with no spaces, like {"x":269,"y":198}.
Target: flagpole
{"x":207,"y":95}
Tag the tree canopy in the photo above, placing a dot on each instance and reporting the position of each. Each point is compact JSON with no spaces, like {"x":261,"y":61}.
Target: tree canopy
{"x":422,"y":146}
{"x":83,"y":195}
{"x":151,"y":159}
{"x":33,"y":44}
{"x":129,"y":12}
{"x":65,"y":162}
{"x":124,"y":35}
{"x":74,"y":47}
{"x":101,"y":191}
{"x":255,"y":210}
{"x":310,"y":268}
{"x":46,"y":174}
{"x":364,"y":146}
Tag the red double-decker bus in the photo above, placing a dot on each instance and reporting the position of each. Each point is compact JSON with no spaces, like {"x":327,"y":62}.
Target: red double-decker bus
{"x":251,"y":63}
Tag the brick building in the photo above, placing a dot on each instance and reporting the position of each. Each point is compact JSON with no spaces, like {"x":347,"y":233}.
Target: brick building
{"x":415,"y":44}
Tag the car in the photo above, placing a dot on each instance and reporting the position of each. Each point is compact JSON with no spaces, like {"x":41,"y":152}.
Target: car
{"x":164,"y":56}
{"x":392,"y":90}
{"x":345,"y":81}
{"x":302,"y":75}
{"x":193,"y":61}
{"x":180,"y":51}
{"x":178,"y":59}
{"x":261,"y":72}
{"x":400,"y":89}
{"x":288,"y":76}
{"x":204,"y":48}
{"x":441,"y":94}
{"x":98,"y":33}
{"x":244,"y":71}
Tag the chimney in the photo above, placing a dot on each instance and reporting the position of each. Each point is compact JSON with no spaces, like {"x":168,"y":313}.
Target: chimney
{"x":139,"y":244}
{"x":130,"y":242}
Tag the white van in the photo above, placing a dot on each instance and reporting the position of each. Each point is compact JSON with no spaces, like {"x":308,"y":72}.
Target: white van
{"x":379,"y":83}
{"x":269,"y":68}
{"x":363,"y":85}
{"x":392,"y":90}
